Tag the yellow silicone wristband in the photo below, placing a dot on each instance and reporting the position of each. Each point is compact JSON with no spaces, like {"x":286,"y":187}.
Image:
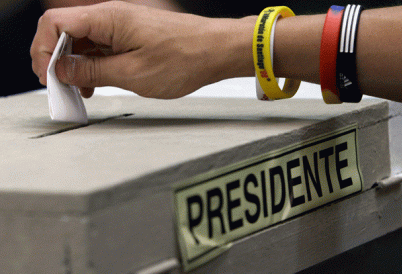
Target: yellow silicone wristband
{"x":262,"y":55}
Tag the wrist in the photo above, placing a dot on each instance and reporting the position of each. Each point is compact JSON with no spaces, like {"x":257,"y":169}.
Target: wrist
{"x":233,"y":54}
{"x":297,"y":47}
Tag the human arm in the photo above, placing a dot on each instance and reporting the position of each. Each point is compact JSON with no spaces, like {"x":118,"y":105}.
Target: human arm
{"x":155,"y":53}
{"x":379,"y":52}
{"x":168,"y":55}
{"x":171,"y":5}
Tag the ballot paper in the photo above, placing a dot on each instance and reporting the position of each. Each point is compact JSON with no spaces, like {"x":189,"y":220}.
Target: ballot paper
{"x":65,"y":101}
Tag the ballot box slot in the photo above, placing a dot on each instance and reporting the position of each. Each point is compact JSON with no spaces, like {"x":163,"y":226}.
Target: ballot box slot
{"x":78,"y":126}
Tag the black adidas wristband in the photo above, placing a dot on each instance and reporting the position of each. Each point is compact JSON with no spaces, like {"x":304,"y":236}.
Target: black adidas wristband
{"x":346,"y":61}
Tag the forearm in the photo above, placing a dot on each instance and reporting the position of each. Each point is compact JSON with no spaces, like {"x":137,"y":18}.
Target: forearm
{"x":379,"y":54}
{"x":297,"y":47}
{"x":160,"y":4}
{"x":183,"y":52}
{"x":231,"y":54}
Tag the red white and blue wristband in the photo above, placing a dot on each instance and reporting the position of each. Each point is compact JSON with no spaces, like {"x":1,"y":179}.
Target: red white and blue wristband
{"x":329,"y":54}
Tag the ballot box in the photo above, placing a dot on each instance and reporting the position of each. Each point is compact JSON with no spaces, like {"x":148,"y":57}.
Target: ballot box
{"x":195,"y":185}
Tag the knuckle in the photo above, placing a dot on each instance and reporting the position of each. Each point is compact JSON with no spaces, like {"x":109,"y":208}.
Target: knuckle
{"x":33,"y":51}
{"x":40,"y":21}
{"x":93,"y":72}
{"x":115,"y":5}
{"x":113,"y":8}
{"x":34,"y":67}
{"x":47,"y":16}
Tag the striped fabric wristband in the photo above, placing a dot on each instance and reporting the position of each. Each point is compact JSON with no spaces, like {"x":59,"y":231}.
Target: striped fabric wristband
{"x":346,"y":80}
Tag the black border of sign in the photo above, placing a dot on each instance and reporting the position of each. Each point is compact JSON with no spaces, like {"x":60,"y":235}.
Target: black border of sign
{"x":269,"y":159}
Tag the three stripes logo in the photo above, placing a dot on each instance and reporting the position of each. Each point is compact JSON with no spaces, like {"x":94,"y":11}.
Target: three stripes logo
{"x":348,"y":37}
{"x":348,"y":31}
{"x":345,"y":82}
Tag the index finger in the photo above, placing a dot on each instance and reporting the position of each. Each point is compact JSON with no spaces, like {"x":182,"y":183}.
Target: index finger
{"x":94,"y":22}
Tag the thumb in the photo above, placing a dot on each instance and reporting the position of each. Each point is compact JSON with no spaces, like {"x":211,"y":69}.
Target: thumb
{"x":82,"y":71}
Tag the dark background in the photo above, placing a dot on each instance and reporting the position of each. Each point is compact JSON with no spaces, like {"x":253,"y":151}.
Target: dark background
{"x":227,"y":8}
{"x":17,"y":28}
{"x":18,"y":23}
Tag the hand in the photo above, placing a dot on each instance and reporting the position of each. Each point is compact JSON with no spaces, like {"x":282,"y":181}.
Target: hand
{"x":160,"y":4}
{"x":154,"y":53}
{"x":51,"y":4}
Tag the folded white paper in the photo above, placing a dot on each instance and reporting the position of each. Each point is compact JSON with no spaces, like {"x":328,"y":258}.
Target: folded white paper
{"x":65,"y":101}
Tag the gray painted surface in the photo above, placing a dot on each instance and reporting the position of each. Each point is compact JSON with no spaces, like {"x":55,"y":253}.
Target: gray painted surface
{"x":307,"y":240}
{"x":395,"y":133}
{"x":98,"y":198}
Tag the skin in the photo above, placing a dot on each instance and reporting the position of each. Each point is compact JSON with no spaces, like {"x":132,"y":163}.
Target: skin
{"x":161,"y":4}
{"x":378,"y":60}
{"x":163,"y":54}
